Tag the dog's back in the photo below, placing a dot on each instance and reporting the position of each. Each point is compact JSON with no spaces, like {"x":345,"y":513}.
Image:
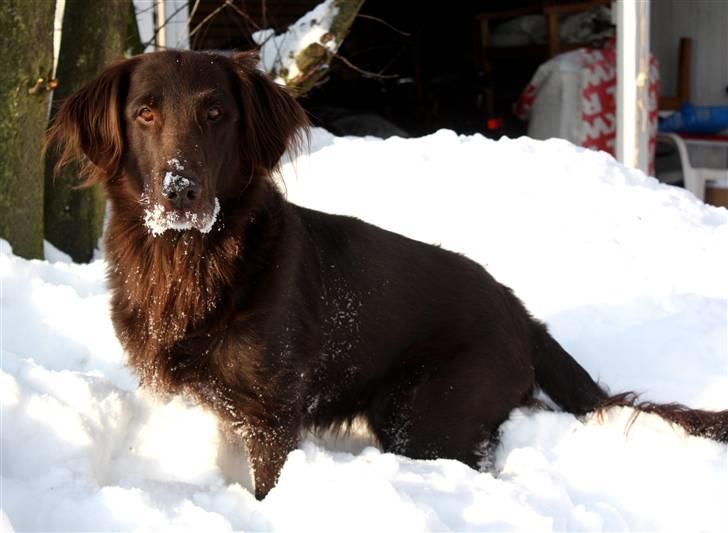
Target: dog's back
{"x":422,"y":341}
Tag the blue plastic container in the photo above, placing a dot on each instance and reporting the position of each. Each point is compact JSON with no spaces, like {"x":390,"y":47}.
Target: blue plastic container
{"x":696,"y":119}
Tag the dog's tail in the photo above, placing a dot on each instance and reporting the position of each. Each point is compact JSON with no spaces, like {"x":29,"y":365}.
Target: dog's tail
{"x":571,"y":387}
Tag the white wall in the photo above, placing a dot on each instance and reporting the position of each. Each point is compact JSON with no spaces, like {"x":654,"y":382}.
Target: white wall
{"x":177,"y":33}
{"x":57,"y":24}
{"x":706,"y":22}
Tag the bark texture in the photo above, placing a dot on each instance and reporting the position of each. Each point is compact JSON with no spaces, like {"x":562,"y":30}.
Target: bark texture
{"x":94,"y":35}
{"x":26,"y":56}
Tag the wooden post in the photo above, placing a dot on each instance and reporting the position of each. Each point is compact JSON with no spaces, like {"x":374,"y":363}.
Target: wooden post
{"x":160,"y":16}
{"x":553,"y":34}
{"x":633,"y":63}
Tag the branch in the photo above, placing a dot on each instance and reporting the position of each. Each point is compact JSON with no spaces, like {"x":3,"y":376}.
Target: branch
{"x":365,"y":73}
{"x":208,"y":17}
{"x":244,"y":15}
{"x":387,"y":24}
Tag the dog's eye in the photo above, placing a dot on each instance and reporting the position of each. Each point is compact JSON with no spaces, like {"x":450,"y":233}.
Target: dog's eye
{"x":146,"y":114}
{"x":214,"y":113}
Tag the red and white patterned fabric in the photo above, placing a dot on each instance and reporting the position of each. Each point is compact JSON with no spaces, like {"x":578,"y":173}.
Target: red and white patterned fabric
{"x":573,"y":96}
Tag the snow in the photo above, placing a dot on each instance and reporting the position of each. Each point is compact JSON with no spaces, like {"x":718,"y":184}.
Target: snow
{"x":278,"y":52}
{"x":174,"y":182}
{"x":53,"y":254}
{"x":628,"y":273}
{"x":158,"y":219}
{"x":175,"y":163}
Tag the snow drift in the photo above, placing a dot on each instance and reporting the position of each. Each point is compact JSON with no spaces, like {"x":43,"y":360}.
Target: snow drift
{"x":629,"y":274}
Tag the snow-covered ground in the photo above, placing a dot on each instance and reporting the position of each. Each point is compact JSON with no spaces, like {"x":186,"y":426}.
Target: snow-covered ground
{"x":631,"y":276}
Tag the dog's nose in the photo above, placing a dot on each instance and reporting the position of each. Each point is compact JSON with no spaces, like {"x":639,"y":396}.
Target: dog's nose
{"x":180,"y":192}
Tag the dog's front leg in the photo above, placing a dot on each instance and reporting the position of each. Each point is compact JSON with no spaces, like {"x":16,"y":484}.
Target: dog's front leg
{"x":269,"y":442}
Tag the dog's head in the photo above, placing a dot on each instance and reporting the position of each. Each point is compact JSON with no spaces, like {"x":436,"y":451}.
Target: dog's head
{"x":179,"y":132}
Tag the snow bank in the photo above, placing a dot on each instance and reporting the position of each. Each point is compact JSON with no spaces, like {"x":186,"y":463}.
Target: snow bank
{"x":629,"y":274}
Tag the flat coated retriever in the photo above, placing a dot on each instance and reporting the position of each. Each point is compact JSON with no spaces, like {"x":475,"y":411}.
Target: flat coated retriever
{"x":281,"y":318}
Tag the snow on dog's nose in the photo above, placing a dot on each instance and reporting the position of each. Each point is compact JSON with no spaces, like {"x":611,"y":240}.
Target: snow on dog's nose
{"x":181,"y":192}
{"x":180,"y":204}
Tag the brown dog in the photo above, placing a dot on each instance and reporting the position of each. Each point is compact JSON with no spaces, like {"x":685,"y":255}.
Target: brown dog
{"x":281,"y":318}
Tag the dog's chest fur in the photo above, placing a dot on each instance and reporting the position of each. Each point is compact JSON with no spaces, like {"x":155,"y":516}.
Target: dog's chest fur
{"x":195,"y":314}
{"x":171,"y":298}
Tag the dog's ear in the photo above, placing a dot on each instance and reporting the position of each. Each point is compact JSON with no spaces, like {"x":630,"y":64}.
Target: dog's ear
{"x":88,"y":126}
{"x":272,"y":121}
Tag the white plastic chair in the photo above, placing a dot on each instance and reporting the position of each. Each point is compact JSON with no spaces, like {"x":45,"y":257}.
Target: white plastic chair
{"x":694,"y":178}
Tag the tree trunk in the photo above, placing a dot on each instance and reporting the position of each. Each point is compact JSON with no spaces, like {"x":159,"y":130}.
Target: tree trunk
{"x":26,"y":56}
{"x":134,"y":44}
{"x":94,"y":34}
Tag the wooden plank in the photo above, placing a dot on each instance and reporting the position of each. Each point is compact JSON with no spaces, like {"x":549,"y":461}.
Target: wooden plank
{"x":684,"y":67}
